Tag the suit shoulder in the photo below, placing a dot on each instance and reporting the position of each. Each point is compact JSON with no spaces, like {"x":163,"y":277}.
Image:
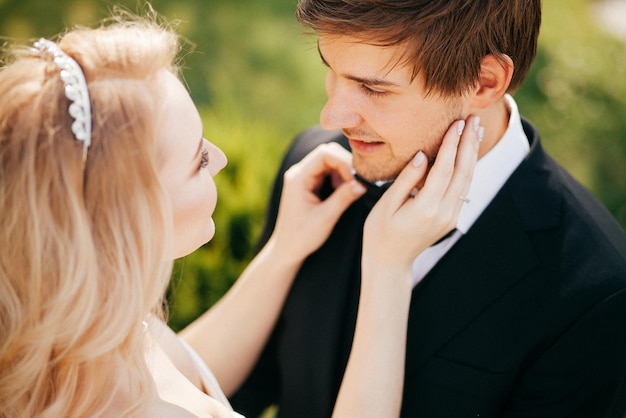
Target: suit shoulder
{"x":595,"y":226}
{"x":570,"y":227}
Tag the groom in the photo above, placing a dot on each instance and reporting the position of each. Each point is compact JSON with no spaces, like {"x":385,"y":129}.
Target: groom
{"x":521,"y":311}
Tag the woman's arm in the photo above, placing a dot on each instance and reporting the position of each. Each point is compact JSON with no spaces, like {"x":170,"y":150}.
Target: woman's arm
{"x":231,"y":335}
{"x":400,"y":226}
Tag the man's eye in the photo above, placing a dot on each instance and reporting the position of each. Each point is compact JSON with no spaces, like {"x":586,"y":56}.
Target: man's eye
{"x":371,"y":92}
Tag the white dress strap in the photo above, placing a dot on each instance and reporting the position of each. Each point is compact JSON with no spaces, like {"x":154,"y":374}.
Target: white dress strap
{"x":210,"y":383}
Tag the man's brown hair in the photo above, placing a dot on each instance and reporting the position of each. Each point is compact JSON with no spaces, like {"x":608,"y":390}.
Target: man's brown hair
{"x":446,"y":39}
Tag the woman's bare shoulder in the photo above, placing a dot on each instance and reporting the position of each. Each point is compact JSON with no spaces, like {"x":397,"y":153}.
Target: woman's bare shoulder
{"x":162,"y":409}
{"x":169,"y":342}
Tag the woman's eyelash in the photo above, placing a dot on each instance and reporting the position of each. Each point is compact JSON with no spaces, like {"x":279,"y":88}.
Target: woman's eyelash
{"x":370,"y":92}
{"x":204,"y":160}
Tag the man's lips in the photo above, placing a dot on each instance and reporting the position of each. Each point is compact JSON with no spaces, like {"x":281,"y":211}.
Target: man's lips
{"x":365,"y":147}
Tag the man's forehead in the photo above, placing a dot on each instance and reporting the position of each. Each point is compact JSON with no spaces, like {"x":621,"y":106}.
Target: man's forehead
{"x":371,"y":58}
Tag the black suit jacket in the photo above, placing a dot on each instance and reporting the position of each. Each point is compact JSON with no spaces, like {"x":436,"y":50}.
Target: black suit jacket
{"x":524,"y":317}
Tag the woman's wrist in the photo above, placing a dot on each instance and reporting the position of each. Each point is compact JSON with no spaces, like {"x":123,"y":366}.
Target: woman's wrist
{"x":282,"y":253}
{"x":394,"y":284}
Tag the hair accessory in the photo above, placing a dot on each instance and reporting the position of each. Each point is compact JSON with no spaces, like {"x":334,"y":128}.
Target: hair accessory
{"x":75,"y":90}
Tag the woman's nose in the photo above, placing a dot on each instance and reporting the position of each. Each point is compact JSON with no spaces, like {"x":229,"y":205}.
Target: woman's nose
{"x":217,"y":159}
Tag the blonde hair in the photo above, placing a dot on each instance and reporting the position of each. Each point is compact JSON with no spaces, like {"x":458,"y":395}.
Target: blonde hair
{"x":83,"y":247}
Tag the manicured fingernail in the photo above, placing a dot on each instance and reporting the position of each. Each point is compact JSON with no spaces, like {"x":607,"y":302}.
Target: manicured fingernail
{"x":419,"y":159}
{"x":459,"y":127}
{"x":476,"y":123}
{"x":481,"y":134}
{"x":358,"y":188}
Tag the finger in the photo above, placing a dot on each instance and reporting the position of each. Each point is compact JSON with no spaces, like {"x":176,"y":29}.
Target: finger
{"x":441,"y":173}
{"x":340,"y":199}
{"x":327,"y":158}
{"x":465,"y":162}
{"x":451,"y":176}
{"x":406,"y":181}
{"x":467,"y":154}
{"x":466,"y":158}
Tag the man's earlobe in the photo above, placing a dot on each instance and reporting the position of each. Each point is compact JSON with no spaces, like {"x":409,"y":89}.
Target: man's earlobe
{"x":494,"y":80}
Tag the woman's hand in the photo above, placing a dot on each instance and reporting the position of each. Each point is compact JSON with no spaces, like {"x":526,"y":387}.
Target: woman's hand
{"x":304,"y":220}
{"x":405,"y":221}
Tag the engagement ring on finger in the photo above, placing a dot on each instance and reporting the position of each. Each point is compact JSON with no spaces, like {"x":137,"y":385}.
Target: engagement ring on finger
{"x":464,"y":199}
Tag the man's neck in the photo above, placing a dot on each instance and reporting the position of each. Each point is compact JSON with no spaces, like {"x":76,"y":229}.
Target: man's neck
{"x":495,"y":119}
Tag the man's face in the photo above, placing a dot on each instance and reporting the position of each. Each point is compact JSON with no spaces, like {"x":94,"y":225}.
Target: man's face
{"x":386,"y":116}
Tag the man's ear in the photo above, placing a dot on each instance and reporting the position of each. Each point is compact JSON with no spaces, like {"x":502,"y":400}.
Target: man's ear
{"x":494,"y":79}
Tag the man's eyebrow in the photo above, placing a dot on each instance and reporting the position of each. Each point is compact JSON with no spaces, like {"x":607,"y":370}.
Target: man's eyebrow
{"x":370,"y":81}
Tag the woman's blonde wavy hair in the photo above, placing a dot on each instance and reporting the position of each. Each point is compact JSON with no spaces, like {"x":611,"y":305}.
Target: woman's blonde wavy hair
{"x":83,"y":245}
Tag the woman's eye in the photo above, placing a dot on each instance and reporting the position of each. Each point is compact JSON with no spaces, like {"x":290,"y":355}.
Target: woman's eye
{"x":371,"y":92}
{"x":204,"y":160}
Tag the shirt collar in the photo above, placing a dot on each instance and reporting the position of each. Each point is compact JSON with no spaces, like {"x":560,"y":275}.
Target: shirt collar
{"x":494,"y":168}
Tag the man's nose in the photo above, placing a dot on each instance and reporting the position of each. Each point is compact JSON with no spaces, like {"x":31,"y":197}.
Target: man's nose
{"x":340,"y":111}
{"x":338,"y":115}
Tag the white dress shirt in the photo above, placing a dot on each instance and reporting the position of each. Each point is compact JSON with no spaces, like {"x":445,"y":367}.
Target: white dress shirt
{"x":490,"y":174}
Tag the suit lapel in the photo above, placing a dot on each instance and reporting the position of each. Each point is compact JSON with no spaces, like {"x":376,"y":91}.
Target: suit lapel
{"x":473,"y":274}
{"x":491,"y":258}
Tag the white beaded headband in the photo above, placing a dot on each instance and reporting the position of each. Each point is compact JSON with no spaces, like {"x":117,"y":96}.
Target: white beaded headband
{"x":75,"y":90}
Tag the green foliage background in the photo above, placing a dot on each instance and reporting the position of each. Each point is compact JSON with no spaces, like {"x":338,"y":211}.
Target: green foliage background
{"x":258,"y":81}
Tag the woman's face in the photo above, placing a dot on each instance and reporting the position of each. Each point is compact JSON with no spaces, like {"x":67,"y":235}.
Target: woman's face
{"x":189,"y":164}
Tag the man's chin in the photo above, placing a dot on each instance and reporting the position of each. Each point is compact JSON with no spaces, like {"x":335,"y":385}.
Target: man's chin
{"x":376,"y":176}
{"x":375,"y":184}
{"x":380,"y":177}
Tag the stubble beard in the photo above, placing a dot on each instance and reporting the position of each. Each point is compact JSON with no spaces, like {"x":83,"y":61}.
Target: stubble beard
{"x":387,"y":171}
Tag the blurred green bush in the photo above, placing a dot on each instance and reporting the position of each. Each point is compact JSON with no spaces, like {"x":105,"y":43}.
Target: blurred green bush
{"x":258,"y":81}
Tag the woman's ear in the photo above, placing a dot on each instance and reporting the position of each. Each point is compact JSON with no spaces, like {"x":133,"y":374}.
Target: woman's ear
{"x":494,"y":79}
